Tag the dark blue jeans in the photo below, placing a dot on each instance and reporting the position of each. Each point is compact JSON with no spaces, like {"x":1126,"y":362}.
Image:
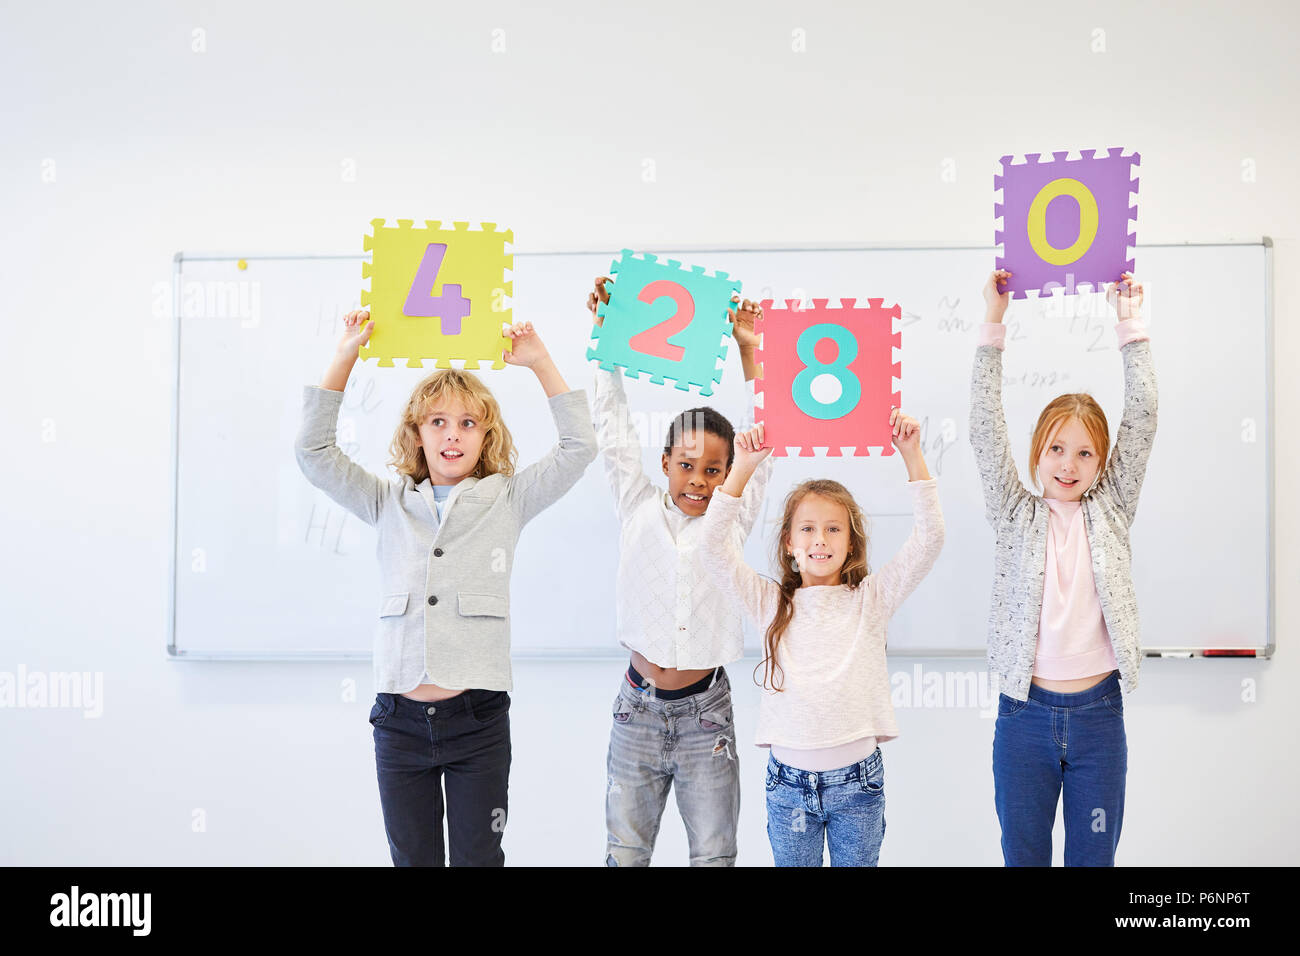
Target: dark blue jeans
{"x":463,"y":743}
{"x":1061,"y":743}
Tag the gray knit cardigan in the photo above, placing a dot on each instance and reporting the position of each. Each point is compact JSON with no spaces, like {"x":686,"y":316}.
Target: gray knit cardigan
{"x":1019,"y":519}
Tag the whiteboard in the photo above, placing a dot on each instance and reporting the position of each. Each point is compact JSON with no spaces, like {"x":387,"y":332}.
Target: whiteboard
{"x":266,"y":566}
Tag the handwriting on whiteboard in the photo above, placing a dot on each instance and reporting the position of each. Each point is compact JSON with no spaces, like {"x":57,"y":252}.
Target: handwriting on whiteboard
{"x":1035,"y":379}
{"x":325,"y":527}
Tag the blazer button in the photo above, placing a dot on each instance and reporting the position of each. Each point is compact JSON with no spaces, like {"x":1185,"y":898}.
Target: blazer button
{"x":433,"y":599}
{"x":437,"y":552}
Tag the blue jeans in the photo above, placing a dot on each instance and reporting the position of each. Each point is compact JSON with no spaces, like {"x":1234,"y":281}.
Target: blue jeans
{"x":844,"y":808}
{"x":463,"y":743}
{"x":1061,"y":742}
{"x":688,"y":745}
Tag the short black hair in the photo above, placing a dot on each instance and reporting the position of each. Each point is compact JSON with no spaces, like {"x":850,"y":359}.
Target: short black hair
{"x":705,"y":419}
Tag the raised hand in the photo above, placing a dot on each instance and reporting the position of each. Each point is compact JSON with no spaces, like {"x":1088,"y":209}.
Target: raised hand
{"x":599,"y":293}
{"x":995,"y":300}
{"x":749,"y":452}
{"x":1125,"y":297}
{"x":528,"y":349}
{"x":905,"y":431}
{"x":742,"y":322}
{"x":907,"y":439}
{"x":357,"y":327}
{"x":749,"y":448}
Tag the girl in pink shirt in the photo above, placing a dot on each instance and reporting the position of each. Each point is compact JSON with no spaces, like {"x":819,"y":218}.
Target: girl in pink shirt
{"x":826,"y":703}
{"x":1063,"y":625}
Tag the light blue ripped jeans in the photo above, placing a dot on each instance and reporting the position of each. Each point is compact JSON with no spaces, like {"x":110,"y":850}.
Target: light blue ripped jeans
{"x":688,"y":745}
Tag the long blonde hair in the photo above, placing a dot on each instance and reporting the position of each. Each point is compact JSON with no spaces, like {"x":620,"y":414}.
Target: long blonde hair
{"x":1061,"y":409}
{"x":496,"y":457}
{"x":854,"y":571}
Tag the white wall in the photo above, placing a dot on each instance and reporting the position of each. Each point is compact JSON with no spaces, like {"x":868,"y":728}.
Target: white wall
{"x":239,"y":149}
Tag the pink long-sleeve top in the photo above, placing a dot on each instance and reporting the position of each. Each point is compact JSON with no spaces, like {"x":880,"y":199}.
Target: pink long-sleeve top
{"x":1072,"y":638}
{"x":832,"y":656}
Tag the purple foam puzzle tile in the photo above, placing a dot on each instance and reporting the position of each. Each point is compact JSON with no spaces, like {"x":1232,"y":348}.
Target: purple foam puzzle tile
{"x":1066,"y":222}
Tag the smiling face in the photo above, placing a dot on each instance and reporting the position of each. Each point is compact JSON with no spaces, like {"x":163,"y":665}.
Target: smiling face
{"x":1069,"y":462}
{"x":452,"y":438}
{"x":695,"y":468}
{"x":819,"y":539}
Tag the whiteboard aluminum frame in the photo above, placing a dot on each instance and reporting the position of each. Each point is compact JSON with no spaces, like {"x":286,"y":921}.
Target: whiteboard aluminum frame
{"x":615,"y":652}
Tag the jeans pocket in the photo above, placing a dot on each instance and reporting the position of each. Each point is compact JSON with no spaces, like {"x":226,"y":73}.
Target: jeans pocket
{"x":487,"y":706}
{"x":1115,"y":702}
{"x":622,"y":713}
{"x":1009,"y":706}
{"x":874,"y":782}
{"x":379,"y":712}
{"x":712,"y":720}
{"x":771,"y":781}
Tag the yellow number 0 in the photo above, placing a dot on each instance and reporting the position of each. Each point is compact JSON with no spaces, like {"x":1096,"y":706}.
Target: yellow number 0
{"x":1038,"y":221}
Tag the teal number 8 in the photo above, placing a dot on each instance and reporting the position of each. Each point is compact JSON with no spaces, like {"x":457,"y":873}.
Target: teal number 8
{"x":850,"y":388}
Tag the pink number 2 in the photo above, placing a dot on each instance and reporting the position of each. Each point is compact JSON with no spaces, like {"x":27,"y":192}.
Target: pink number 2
{"x":654,"y":340}
{"x":449,"y":306}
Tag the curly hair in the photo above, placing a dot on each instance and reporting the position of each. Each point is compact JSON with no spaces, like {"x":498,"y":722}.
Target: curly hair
{"x":705,"y":419}
{"x":497,"y":455}
{"x":854,"y":571}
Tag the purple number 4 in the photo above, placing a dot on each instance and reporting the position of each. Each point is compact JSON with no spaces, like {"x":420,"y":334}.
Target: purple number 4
{"x":449,"y":306}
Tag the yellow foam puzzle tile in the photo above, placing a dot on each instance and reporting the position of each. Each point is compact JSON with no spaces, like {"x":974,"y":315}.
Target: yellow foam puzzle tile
{"x":437,"y":293}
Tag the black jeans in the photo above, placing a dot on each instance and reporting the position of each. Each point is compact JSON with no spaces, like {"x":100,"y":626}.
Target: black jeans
{"x":463,"y":741}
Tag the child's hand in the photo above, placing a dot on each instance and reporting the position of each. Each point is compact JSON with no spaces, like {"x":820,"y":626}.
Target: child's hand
{"x":356,"y":333}
{"x":749,"y":452}
{"x":995,"y":300}
{"x":749,"y":448}
{"x":1125,"y":297}
{"x":528,"y":349}
{"x":742,"y":322}
{"x":600,"y":293}
{"x":906,"y":432}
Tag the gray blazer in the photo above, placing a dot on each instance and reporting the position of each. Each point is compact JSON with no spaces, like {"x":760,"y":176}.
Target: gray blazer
{"x":1020,"y":520}
{"x":445,"y":586}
